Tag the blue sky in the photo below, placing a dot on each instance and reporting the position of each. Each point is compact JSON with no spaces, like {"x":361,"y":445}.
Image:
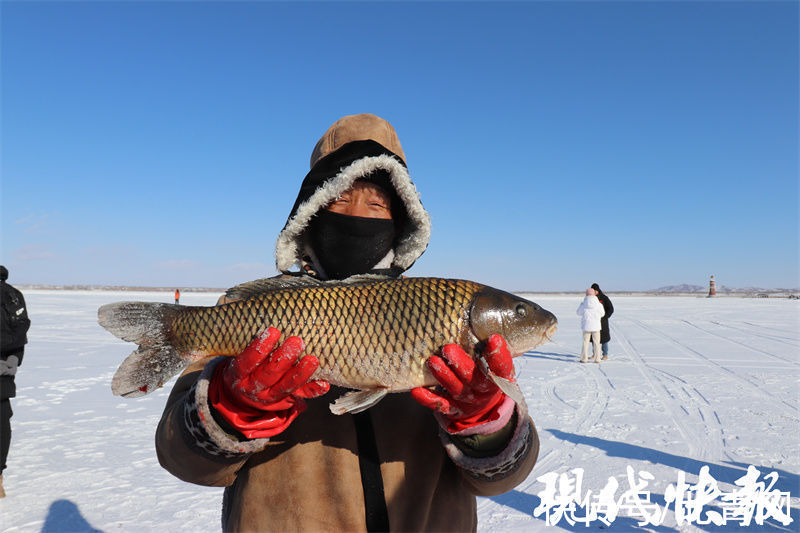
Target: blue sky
{"x":556,"y":144}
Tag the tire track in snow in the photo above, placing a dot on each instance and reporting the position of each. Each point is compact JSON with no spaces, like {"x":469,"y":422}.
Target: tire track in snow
{"x":709,"y":417}
{"x":691,"y":351}
{"x":550,"y":393}
{"x":793,"y":344}
{"x":667,"y":399}
{"x":782,"y":331}
{"x":593,"y":407}
{"x":594,"y":402}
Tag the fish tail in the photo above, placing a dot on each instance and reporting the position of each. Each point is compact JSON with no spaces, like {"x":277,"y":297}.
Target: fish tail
{"x":156,"y":360}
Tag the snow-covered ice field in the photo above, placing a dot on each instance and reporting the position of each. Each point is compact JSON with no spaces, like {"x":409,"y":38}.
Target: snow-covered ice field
{"x":690,"y":382}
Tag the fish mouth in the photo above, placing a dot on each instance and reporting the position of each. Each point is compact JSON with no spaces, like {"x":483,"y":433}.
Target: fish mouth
{"x":550,"y":332}
{"x":544,"y":337}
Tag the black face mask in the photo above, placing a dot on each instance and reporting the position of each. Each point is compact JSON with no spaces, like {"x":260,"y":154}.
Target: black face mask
{"x":347,"y":245}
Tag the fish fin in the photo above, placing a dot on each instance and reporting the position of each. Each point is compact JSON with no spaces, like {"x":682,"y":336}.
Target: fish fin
{"x":267,"y":285}
{"x":156,"y":360}
{"x":508,"y":387}
{"x":258,"y":287}
{"x":367,"y":278}
{"x":146,"y":370}
{"x":357,"y":401}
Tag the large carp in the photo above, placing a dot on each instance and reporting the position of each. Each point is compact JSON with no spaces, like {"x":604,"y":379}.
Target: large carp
{"x":370,"y":334}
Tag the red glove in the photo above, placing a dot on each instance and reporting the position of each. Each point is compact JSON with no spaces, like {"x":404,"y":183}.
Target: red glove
{"x":470,"y":398}
{"x":262,"y":390}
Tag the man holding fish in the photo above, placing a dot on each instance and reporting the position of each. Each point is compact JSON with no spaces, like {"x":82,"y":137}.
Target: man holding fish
{"x":372,"y":461}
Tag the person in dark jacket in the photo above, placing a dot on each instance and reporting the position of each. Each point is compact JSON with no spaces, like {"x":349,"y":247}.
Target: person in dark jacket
{"x":605,"y":332}
{"x":12,"y":347}
{"x":255,"y":424}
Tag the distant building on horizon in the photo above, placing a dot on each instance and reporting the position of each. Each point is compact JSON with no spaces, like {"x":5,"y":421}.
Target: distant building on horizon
{"x":712,"y":287}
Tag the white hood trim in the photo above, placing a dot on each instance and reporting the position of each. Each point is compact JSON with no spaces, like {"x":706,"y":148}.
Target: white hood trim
{"x":289,"y":247}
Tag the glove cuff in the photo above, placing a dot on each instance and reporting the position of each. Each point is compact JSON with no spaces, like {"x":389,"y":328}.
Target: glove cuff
{"x":502,"y":464}
{"x":201,"y":427}
{"x":492,"y":417}
{"x":491,"y":420}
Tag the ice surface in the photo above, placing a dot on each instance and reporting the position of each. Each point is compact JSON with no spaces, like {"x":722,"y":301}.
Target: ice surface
{"x":690,"y":382}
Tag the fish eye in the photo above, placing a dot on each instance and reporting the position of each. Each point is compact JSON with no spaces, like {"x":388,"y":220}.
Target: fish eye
{"x":522,"y":312}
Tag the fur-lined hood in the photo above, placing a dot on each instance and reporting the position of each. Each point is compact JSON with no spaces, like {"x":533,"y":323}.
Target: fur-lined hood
{"x":335,"y":172}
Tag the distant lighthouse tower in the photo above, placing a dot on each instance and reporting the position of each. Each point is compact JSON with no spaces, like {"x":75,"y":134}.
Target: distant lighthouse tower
{"x":712,"y":287}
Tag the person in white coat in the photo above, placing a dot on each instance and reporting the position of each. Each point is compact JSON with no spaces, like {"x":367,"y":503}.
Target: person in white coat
{"x":591,"y":311}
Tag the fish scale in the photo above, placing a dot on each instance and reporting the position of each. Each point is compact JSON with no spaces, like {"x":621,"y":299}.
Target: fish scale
{"x":368,"y":334}
{"x":399,"y":327}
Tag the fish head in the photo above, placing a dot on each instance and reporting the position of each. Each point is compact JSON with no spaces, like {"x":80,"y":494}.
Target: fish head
{"x":524,"y":324}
